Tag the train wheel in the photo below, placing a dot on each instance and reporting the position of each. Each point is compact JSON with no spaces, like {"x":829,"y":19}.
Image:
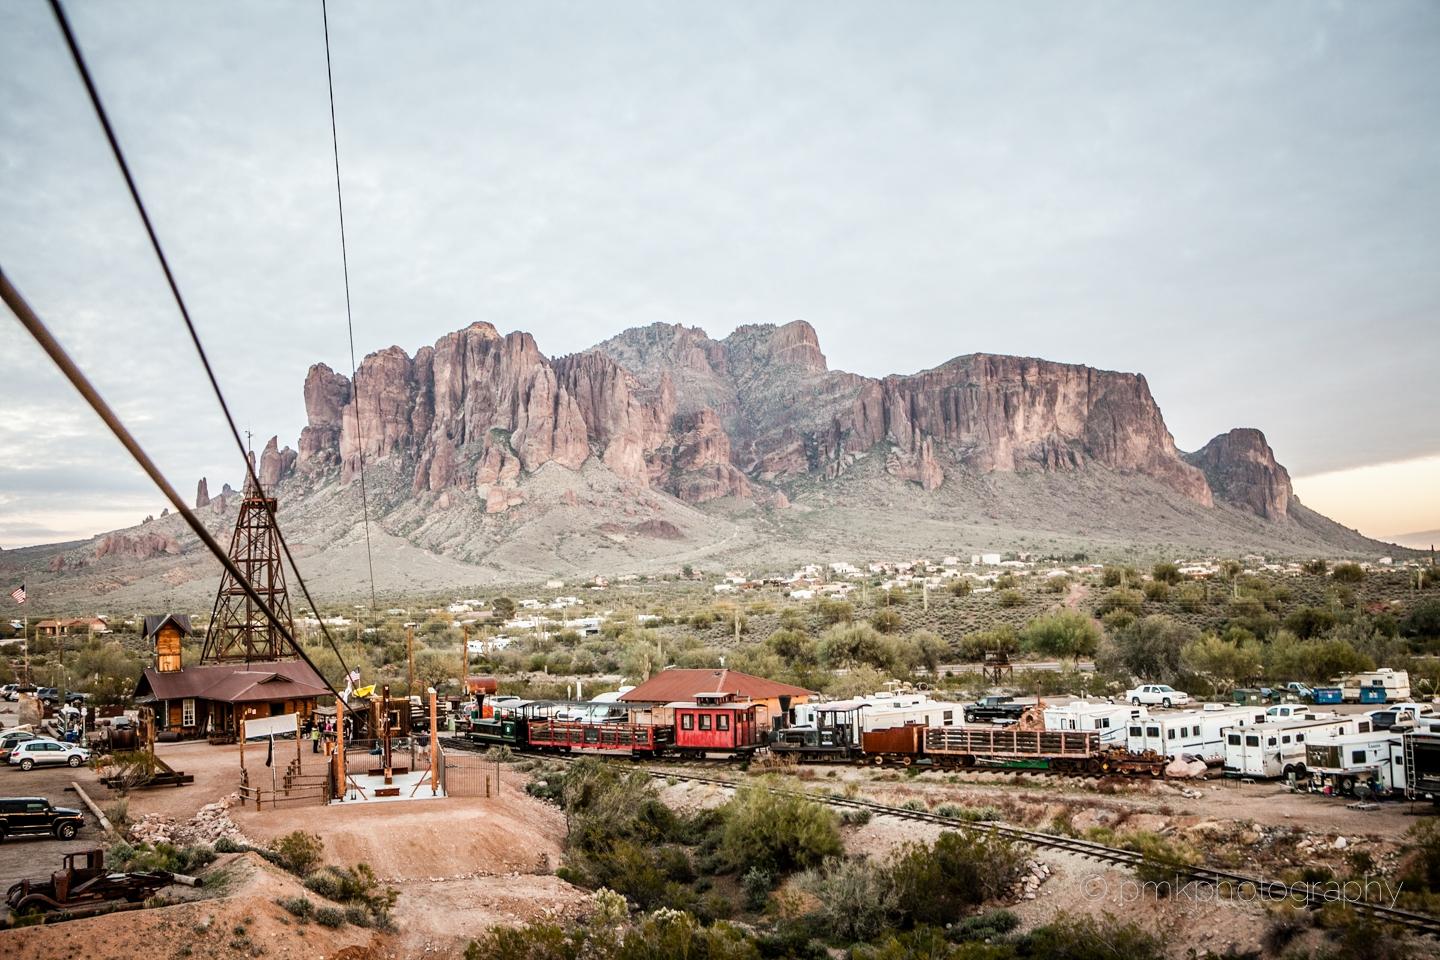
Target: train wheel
{"x":1092,"y":765}
{"x":906,"y":760}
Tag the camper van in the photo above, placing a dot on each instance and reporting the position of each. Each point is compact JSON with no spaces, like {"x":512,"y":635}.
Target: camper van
{"x":1277,"y":749}
{"x":1376,"y":686}
{"x":1198,"y":733}
{"x":1365,"y":764}
{"x":1110,"y":720}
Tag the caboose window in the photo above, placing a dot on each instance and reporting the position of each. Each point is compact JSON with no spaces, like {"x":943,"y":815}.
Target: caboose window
{"x":704,"y":721}
{"x":722,"y":721}
{"x":687,"y":721}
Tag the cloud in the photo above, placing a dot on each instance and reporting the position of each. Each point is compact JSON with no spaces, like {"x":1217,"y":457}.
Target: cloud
{"x":1236,"y":200}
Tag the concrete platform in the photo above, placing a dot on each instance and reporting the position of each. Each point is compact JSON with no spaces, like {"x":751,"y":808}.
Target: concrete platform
{"x":414,"y":785}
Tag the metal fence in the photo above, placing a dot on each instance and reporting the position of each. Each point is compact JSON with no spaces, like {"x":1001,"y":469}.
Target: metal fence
{"x":469,"y":775}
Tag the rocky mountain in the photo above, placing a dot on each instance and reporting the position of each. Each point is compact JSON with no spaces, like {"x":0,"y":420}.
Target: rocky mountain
{"x":486,"y":459}
{"x":667,"y":407}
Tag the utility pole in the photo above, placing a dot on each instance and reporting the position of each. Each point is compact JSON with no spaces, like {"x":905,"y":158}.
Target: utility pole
{"x":464,"y":663}
{"x":409,"y":660}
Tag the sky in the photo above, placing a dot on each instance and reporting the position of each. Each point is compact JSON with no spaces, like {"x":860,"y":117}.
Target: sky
{"x":1239,"y":200}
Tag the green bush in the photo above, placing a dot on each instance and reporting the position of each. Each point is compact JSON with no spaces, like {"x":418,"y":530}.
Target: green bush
{"x":1010,"y":598}
{"x":298,"y":906}
{"x":776,"y":832}
{"x":1165,"y":573}
{"x":886,"y":621}
{"x":937,"y":882}
{"x":300,"y":852}
{"x":1086,"y":938}
{"x":1348,"y":573}
{"x":757,"y":885}
{"x":1066,"y":634}
{"x":991,"y":925}
{"x":330,"y":917}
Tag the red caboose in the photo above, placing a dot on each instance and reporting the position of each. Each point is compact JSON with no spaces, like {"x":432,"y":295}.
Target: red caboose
{"x":718,"y":723}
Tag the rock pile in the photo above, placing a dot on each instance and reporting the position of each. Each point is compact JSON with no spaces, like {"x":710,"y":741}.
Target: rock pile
{"x":1034,"y":873}
{"x":210,"y":823}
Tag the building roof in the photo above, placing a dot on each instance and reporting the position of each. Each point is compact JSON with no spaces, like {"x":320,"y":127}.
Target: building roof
{"x":154,"y":621}
{"x":234,"y":682}
{"x":668,"y":686}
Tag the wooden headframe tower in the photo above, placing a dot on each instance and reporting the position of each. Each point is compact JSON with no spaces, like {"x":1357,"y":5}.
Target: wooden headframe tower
{"x":239,"y":630}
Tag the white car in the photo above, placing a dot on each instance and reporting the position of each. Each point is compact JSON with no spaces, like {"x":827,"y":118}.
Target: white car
{"x":1156,"y":695}
{"x":32,"y":752}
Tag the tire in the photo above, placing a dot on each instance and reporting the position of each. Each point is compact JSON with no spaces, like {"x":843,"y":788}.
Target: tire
{"x":27,"y":764}
{"x":75,"y":761}
{"x":1301,"y":772}
{"x":1135,"y":701}
{"x":1165,"y":703}
{"x":66,"y":831}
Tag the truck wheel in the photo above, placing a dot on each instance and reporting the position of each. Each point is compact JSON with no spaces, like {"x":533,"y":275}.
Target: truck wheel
{"x":66,"y":831}
{"x":1301,"y":773}
{"x":27,"y":764}
{"x":1135,"y":701}
{"x":75,"y":761}
{"x":1165,"y":703}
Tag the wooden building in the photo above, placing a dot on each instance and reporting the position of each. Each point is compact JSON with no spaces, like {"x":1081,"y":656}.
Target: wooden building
{"x":210,"y":700}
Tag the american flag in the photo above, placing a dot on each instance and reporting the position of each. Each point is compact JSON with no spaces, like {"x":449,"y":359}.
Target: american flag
{"x":18,"y":594}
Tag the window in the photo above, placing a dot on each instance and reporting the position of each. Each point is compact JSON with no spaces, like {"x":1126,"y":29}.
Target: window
{"x":722,"y":721}
{"x":704,"y":721}
{"x":1233,"y":740}
{"x":1104,"y":723}
{"x":1270,"y":742}
{"x":949,"y":717}
{"x":1134,"y":731}
{"x":1357,"y":756}
{"x":1299,"y":738}
{"x":687,"y":721}
{"x":1170,"y":734}
{"x":1252,"y":741}
{"x":1284,"y":739}
{"x":1364,"y":726}
{"x":35,"y":807}
{"x":187,"y":713}
{"x":1152,"y":731}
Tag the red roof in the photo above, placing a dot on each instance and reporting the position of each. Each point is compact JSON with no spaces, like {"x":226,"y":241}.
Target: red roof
{"x":668,"y":686}
{"x":234,"y":682}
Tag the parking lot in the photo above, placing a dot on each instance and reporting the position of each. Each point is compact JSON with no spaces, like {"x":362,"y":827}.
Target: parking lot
{"x":37,"y":856}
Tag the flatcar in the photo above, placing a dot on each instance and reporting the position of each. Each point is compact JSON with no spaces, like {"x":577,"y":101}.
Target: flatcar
{"x":570,"y":736}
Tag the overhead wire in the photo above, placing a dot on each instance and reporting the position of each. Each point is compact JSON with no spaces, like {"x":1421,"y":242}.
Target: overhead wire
{"x":31,"y":321}
{"x":349,"y":319}
{"x":81,"y":66}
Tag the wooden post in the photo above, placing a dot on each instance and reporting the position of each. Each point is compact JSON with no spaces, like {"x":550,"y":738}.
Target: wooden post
{"x":384,"y":719}
{"x":298,"y":759}
{"x":409,"y":661}
{"x":341,"y":778}
{"x":242,"y":745}
{"x":464,"y":666}
{"x":434,"y":743}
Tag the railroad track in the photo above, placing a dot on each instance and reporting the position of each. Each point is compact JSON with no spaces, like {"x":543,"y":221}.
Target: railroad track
{"x":1221,"y":880}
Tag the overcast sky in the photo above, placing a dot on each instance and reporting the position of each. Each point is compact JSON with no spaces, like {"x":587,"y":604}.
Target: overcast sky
{"x":1237,"y":199}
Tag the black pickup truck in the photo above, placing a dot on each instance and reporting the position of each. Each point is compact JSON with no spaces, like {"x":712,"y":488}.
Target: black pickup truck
{"x":993,"y":709}
{"x":32,"y":816}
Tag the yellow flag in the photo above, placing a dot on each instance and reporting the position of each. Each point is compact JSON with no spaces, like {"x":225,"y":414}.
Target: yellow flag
{"x":365,"y":691}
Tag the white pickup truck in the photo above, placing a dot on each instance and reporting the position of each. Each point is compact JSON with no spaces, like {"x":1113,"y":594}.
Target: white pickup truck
{"x":1157,"y":695}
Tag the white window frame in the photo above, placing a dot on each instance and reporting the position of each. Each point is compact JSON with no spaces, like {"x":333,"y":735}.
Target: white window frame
{"x":187,"y":712}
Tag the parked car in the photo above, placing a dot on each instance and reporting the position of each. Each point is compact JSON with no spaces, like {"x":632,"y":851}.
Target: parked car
{"x":47,"y":695}
{"x":11,"y":740}
{"x":1157,"y":695}
{"x":32,"y":752}
{"x":1298,"y":690}
{"x":6,"y":690}
{"x":77,"y":698}
{"x":994,"y":710}
{"x":36,"y":816}
{"x":17,"y":689}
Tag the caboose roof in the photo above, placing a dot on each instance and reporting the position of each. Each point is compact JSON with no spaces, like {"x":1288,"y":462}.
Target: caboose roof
{"x":669,"y":686}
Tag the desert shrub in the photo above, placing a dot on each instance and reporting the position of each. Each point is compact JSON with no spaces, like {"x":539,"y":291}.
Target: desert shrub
{"x":856,"y":898}
{"x":300,"y":852}
{"x":1121,"y":599}
{"x":886,"y":621}
{"x":1055,"y":584}
{"x":353,"y":886}
{"x":663,"y":934}
{"x":1066,"y":634}
{"x":1002,"y":638}
{"x":1347,"y":573}
{"x":835,"y":611}
{"x":1156,"y":591}
{"x":1010,"y":598}
{"x":228,"y":845}
{"x":1283,"y":924}
{"x":1165,"y":573}
{"x":1113,"y":576}
{"x":1307,"y":622}
{"x":1149,"y":648}
{"x":936,"y":882}
{"x":757,"y":885}
{"x":1422,"y":621}
{"x":125,"y":857}
{"x":297,"y":906}
{"x":1164,"y":861}
{"x":1316,"y":567}
{"x":961,"y":587}
{"x":1088,"y":938}
{"x":1006,"y":581}
{"x":776,"y":832}
{"x":991,"y":925}
{"x":330,"y":917}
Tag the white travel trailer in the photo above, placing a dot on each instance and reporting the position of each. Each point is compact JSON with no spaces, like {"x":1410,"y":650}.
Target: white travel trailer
{"x":1295,"y":711}
{"x":1366,"y":687}
{"x":880,"y":712}
{"x":1198,"y":733}
{"x":1107,"y":719}
{"x":1277,"y":749}
{"x":1360,"y":764}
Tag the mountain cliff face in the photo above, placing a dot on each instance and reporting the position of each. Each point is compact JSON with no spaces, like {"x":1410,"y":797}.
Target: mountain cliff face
{"x":666,"y":407}
{"x":1240,"y":468}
